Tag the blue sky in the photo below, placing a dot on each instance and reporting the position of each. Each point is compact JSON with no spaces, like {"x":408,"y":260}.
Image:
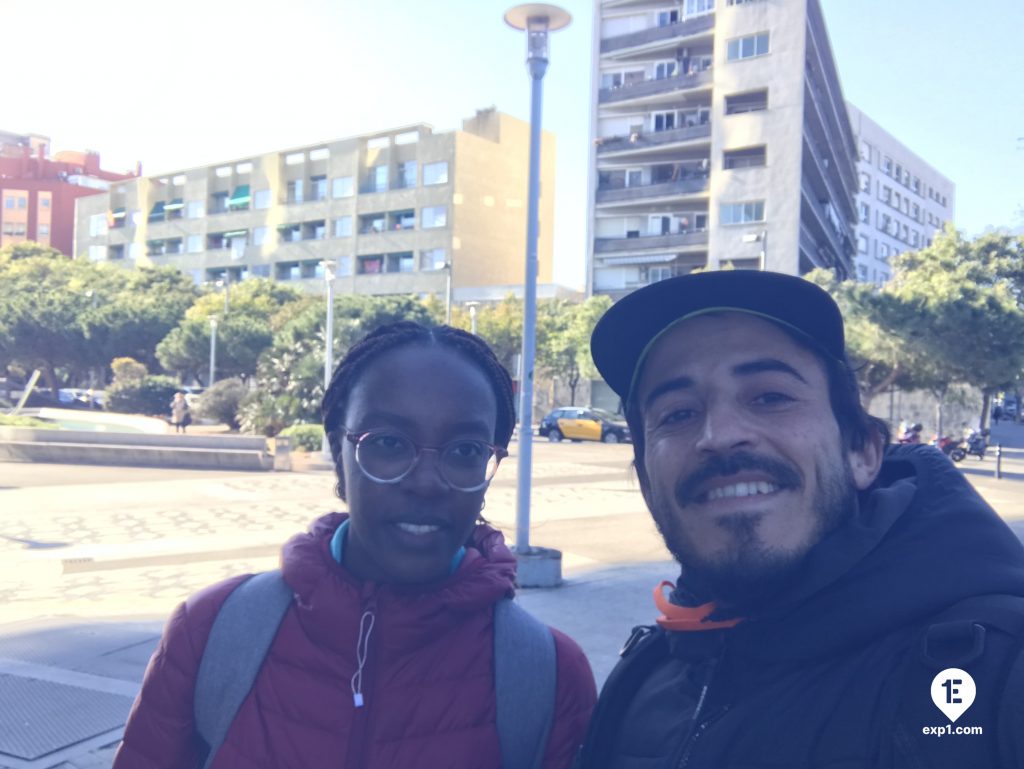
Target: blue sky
{"x":199,"y":81}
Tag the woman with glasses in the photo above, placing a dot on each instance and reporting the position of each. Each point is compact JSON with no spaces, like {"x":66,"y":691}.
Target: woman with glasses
{"x":385,"y":656}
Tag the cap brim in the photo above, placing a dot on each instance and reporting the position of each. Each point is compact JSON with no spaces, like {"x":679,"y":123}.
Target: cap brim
{"x":625,"y":332}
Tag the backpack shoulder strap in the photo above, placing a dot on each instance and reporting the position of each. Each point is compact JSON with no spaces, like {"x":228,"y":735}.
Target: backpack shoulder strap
{"x":525,"y":675}
{"x":644,"y":650}
{"x":984,"y":636}
{"x":238,"y":642}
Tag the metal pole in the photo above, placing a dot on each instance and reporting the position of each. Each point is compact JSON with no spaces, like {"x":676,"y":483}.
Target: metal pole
{"x":537,"y":68}
{"x":472,"y":318}
{"x":213,"y":350}
{"x":325,"y":445}
{"x":448,"y":294}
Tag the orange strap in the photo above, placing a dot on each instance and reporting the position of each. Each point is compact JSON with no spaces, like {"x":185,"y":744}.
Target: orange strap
{"x":686,"y":617}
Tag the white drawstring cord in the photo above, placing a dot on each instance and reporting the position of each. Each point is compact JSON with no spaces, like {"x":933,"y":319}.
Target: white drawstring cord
{"x":365,"y":628}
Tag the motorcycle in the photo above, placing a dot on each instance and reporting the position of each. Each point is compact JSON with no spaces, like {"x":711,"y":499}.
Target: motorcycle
{"x":976,"y":443}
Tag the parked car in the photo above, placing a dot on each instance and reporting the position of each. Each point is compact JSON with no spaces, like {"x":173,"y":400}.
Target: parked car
{"x":584,"y":424}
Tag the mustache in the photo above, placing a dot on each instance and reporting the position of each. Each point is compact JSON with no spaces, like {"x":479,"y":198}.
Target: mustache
{"x":718,"y":466}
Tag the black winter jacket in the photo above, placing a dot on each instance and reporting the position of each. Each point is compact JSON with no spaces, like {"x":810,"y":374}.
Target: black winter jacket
{"x":811,"y":679}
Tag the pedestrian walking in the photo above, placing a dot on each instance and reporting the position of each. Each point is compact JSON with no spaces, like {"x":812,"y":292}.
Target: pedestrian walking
{"x":181,"y":415}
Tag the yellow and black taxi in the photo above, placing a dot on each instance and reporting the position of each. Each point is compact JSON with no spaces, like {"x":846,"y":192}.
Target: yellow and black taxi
{"x":584,"y":424}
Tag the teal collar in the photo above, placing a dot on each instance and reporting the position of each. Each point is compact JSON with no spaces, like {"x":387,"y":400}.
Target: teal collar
{"x":338,"y":546}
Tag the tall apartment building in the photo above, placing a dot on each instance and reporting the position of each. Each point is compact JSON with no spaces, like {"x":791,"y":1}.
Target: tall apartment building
{"x":720,"y":136}
{"x":38,"y":193}
{"x":901,"y":201}
{"x":396,"y":212}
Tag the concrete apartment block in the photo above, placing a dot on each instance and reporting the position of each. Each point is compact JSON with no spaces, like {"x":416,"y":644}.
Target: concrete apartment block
{"x":720,"y":138}
{"x":394,"y":211}
{"x":902,"y":201}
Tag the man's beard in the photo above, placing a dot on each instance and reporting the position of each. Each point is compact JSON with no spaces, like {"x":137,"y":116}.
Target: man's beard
{"x":750,"y":572}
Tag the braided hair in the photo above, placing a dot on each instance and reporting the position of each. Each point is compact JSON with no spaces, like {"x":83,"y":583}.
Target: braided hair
{"x":400,"y":334}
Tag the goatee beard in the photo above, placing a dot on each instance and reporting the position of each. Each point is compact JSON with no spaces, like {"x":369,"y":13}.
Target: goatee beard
{"x":744,"y":580}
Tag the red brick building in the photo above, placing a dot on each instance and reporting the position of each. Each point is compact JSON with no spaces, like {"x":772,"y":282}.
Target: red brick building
{"x":38,"y":193}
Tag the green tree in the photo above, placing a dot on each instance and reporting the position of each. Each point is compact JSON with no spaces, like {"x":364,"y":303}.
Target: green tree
{"x":501,"y":326}
{"x":563,"y":348}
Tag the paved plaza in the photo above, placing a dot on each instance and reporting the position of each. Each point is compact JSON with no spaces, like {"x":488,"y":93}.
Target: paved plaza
{"x":95,"y":558}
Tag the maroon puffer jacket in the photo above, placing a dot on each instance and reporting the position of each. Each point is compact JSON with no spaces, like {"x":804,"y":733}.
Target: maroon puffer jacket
{"x":428,"y":680}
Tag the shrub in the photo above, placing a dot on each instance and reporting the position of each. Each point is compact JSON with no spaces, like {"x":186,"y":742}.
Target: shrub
{"x":151,"y":396}
{"x":128,"y":370}
{"x":263,"y":414}
{"x":20,"y":421}
{"x":222,"y":401}
{"x":305,"y":437}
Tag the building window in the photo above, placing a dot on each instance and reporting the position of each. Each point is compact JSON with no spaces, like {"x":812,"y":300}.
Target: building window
{"x":372,"y":223}
{"x":9,"y":202}
{"x":402,"y":262}
{"x":432,"y":259}
{"x":219,"y":202}
{"x":434,"y":216}
{"x":344,"y":267}
{"x":295,"y":191}
{"x":259,"y":236}
{"x":318,"y":188}
{"x":44,"y":202}
{"x":665,"y":69}
{"x":748,"y":157}
{"x":97,"y":225}
{"x":115,"y":252}
{"x":862,"y":244}
{"x":260,"y":270}
{"x":747,"y":47}
{"x":287,"y":271}
{"x":261,"y":199}
{"x":194,"y":244}
{"x":314,"y":230}
{"x":743,"y":213}
{"x":435,"y":173}
{"x":654,"y":274}
{"x":402,"y":220}
{"x":663,"y":121}
{"x":699,"y":7}
{"x":865,"y":212}
{"x":371,"y":265}
{"x":311,"y":269}
{"x":378,"y":181}
{"x":22,"y":202}
{"x":194,"y":209}
{"x":887,"y":166}
{"x":668,"y":17}
{"x":343,"y":227}
{"x":741,"y":2}
{"x":97,"y":253}
{"x":342,"y":187}
{"x":886,"y":194}
{"x":407,"y":174}
{"x":43,"y":229}
{"x":751,"y":101}
{"x":289,"y":233}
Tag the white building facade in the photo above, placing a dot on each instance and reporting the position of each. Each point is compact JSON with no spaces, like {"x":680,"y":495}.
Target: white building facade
{"x":902,"y":201}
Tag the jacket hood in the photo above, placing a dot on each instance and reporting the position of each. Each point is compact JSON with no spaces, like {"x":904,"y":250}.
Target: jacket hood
{"x":922,"y":540}
{"x":321,"y":585}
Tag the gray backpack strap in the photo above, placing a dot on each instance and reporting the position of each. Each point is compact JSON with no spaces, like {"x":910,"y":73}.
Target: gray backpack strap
{"x":525,"y":682}
{"x":239,"y":640}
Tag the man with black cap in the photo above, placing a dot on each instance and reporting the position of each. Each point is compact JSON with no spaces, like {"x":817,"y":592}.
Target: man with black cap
{"x":841,"y":603}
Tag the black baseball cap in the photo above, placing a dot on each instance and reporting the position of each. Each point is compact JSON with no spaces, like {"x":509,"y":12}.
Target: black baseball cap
{"x":625,"y":333}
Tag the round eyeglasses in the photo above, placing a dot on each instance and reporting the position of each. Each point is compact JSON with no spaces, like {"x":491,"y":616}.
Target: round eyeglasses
{"x":387,"y":456}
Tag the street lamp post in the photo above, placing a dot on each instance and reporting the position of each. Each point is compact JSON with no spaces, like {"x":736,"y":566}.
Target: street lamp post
{"x":537,"y":20}
{"x":213,"y":350}
{"x":448,"y":293}
{"x":472,"y":315}
{"x":328,"y":266}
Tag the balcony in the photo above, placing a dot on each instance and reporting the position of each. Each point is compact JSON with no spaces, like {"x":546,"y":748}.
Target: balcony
{"x":665,"y":86}
{"x":667,"y":33}
{"x":644,"y":192}
{"x":675,"y":240}
{"x":645,"y":140}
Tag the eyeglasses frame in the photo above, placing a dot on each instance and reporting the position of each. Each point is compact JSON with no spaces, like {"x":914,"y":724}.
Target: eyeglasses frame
{"x":355,"y":437}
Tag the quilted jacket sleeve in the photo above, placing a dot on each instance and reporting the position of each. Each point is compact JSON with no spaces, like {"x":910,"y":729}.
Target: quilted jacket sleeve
{"x":574,"y":700}
{"x":160,"y":733}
